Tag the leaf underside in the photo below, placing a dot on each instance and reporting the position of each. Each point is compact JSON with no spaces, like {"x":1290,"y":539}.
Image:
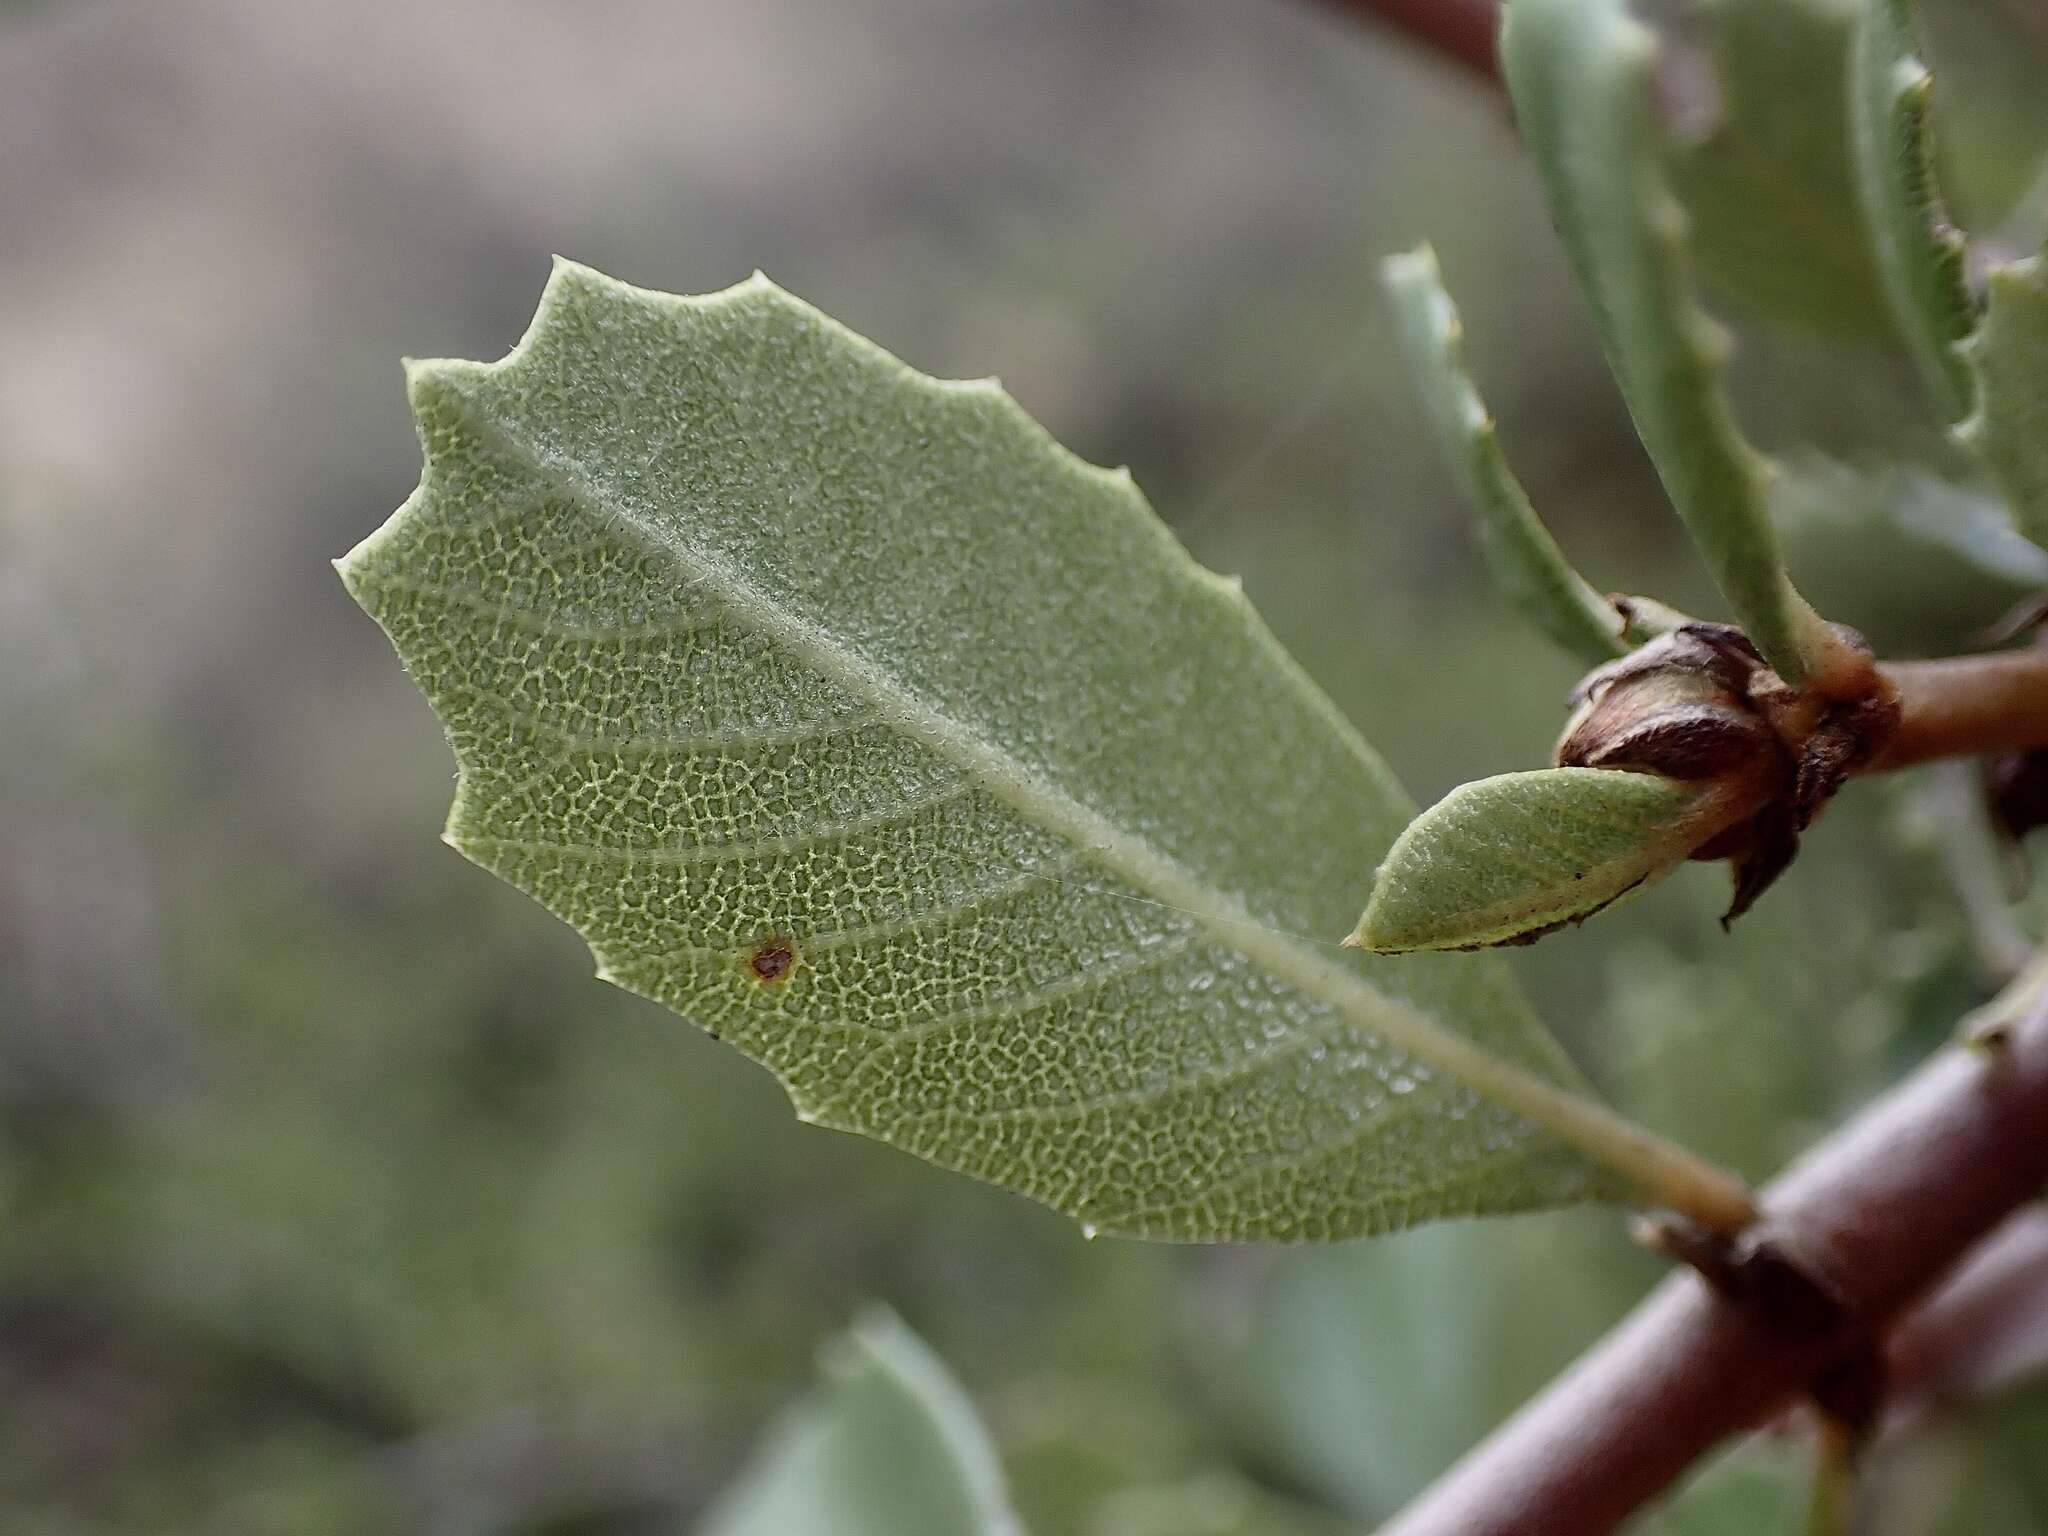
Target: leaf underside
{"x":844,"y":712}
{"x":1919,"y":252}
{"x":887,"y":1445}
{"x":2008,"y":359}
{"x":1580,"y":73}
{"x":1508,"y":859}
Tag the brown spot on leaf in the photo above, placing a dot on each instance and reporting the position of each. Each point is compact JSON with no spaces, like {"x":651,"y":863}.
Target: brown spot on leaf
{"x":772,"y":961}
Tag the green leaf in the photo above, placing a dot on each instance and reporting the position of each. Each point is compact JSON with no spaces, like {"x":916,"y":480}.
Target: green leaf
{"x":1759,"y":1485}
{"x":888,"y":1445}
{"x":1777,"y":229}
{"x":1919,"y":253}
{"x":1302,"y":1363}
{"x":1216,"y":1503}
{"x":2008,"y":357}
{"x":1580,"y":72}
{"x":1524,"y":558}
{"x":1356,"y":1373}
{"x":843,"y":711}
{"x":1511,"y":858}
{"x":1918,"y":564}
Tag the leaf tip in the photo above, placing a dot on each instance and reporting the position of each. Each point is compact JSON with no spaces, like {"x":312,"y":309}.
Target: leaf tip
{"x":425,"y":379}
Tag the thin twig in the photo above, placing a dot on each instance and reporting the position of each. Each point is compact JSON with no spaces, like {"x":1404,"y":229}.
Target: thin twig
{"x":1969,"y":706}
{"x":1881,"y":1211}
{"x":1462,"y":31}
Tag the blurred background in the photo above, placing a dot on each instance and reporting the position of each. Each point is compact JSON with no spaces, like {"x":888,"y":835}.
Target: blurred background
{"x":336,"y":1196}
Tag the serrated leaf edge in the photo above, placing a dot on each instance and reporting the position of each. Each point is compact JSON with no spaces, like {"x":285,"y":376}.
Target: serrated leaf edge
{"x":1525,"y":558}
{"x":1920,"y":252}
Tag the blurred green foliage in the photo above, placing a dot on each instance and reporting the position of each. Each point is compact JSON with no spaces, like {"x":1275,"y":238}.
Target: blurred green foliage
{"x":334,"y":1196}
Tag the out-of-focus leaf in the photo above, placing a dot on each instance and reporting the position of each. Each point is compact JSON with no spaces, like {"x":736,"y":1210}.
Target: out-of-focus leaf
{"x":1776,"y":226}
{"x":1975,"y":1471}
{"x":1919,"y":252}
{"x":1580,"y":72}
{"x":1510,"y":858}
{"x":843,"y":711}
{"x":1520,"y":551}
{"x":1721,"y":1058}
{"x":2008,"y":358}
{"x":1213,"y":1504}
{"x":1993,"y":123}
{"x":1359,"y":1373}
{"x":1917,"y":563}
{"x":1362,"y":1371}
{"x":1757,"y":1489}
{"x":1068,"y":1442}
{"x":888,"y":1445}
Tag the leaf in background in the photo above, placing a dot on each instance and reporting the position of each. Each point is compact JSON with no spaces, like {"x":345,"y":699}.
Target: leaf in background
{"x":1214,"y":1504}
{"x":1777,"y":229}
{"x":1304,"y":1361}
{"x":1918,"y":564}
{"x":1993,"y":128}
{"x":1580,"y":73}
{"x":1510,"y":858}
{"x":1758,"y":1486}
{"x":1070,"y":1441}
{"x":2008,"y":357}
{"x":1358,"y":1373}
{"x":888,"y":1445}
{"x":843,"y":711}
{"x":1919,"y":253}
{"x":1523,"y":557}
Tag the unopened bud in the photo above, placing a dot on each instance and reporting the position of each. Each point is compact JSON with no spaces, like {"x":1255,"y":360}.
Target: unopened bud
{"x":1679,"y":706}
{"x":1699,"y":704}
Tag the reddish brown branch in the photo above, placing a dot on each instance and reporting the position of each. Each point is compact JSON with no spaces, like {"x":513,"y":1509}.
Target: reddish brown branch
{"x":1462,"y":31}
{"x":1881,"y":1210}
{"x":1969,"y":706}
{"x":1985,"y":1331}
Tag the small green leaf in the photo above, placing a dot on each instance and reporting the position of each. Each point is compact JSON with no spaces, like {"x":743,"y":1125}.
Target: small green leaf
{"x":1508,"y":859}
{"x":1777,"y":229}
{"x":888,"y":1445}
{"x":845,"y":713}
{"x":1524,"y":558}
{"x":1580,"y":72}
{"x":2008,"y":356}
{"x":1919,"y":252}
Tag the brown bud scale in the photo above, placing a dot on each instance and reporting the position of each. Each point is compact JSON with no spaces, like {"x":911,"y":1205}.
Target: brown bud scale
{"x":1699,"y":705}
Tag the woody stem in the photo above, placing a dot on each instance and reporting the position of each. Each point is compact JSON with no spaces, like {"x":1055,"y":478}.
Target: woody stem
{"x":1968,"y":706}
